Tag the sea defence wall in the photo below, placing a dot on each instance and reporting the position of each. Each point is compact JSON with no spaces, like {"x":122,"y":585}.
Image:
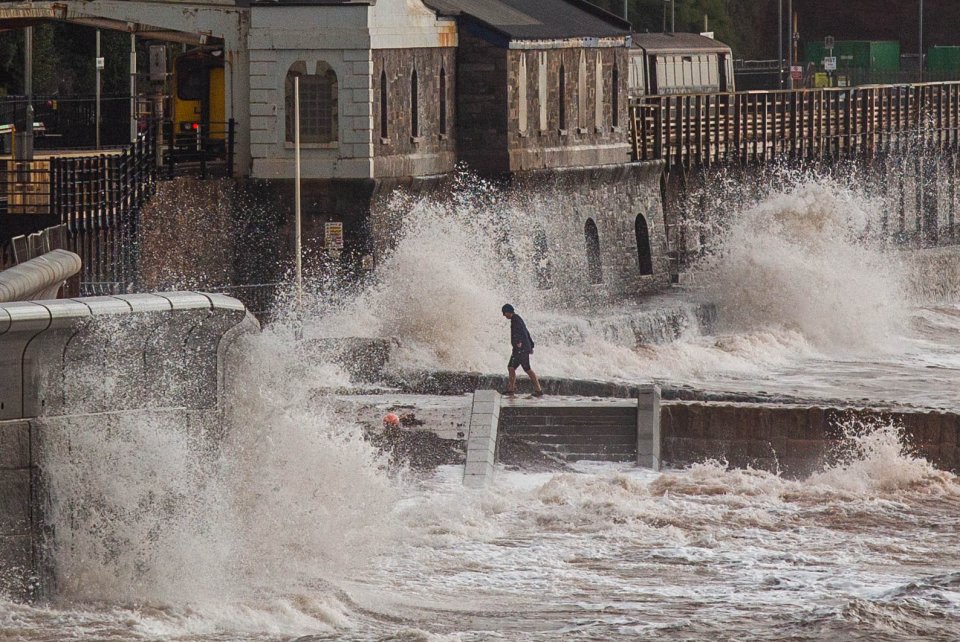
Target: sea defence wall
{"x":795,"y":440}
{"x":97,"y":358}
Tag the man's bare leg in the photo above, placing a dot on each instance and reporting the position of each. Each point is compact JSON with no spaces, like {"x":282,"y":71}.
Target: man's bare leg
{"x":512,"y":381}
{"x":536,"y":382}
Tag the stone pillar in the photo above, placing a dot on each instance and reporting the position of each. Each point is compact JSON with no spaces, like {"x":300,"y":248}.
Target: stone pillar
{"x":648,"y":426}
{"x":482,"y":440}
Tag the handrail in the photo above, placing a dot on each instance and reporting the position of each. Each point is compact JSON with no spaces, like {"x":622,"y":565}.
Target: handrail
{"x":756,"y":126}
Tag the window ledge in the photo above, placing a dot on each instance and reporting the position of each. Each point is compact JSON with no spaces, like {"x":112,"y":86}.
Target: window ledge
{"x":617,"y":129}
{"x":442,"y":137}
{"x":581,"y":130}
{"x":385,"y":141}
{"x":523,"y":134}
{"x":333,"y":145}
{"x":416,"y":140}
{"x":599,"y":130}
{"x":562,"y":132}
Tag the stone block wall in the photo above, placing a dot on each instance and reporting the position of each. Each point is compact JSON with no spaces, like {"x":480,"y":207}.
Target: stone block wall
{"x":89,"y":359}
{"x":591,"y":135}
{"x":432,"y":151}
{"x":482,"y":104}
{"x":612,"y":196}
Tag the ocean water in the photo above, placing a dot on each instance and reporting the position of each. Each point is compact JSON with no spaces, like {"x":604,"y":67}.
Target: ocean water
{"x":295,"y":528}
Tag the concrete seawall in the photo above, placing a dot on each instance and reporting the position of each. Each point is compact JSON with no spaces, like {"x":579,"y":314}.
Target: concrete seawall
{"x":93,"y":359}
{"x":794,"y":440}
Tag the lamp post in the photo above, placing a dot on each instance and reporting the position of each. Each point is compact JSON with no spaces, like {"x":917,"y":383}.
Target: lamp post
{"x":780,"y":42}
{"x":921,"y":41}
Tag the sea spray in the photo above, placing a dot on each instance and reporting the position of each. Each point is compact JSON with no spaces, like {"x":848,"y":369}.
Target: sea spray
{"x":169,"y":507}
{"x":805,"y":259}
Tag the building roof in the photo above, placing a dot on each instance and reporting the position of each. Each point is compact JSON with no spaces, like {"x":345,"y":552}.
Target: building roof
{"x":536,"y":19}
{"x":677,"y":42}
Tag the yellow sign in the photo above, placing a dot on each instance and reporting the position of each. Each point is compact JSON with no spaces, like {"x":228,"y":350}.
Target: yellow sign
{"x":821,"y":79}
{"x":333,"y":235}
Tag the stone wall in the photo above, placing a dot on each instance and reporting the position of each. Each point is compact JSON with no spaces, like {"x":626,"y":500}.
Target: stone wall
{"x":431,"y":151}
{"x":591,"y":135}
{"x":793,"y":440}
{"x":482,"y":81}
{"x":612,"y":196}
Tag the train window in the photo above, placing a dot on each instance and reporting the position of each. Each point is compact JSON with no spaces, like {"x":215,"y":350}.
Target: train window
{"x":318,"y":104}
{"x":192,"y":79}
{"x":582,"y":91}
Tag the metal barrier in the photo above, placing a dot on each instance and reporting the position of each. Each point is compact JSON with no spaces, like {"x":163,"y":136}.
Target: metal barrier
{"x":38,"y":278}
{"x":201,"y":150}
{"x":810,"y":124}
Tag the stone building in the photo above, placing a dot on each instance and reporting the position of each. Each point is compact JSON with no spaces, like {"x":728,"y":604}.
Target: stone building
{"x":377,"y":82}
{"x":395,"y":93}
{"x":542,"y":100}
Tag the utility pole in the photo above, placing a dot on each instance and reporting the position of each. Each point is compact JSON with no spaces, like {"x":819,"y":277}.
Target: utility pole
{"x":23,"y":132}
{"x":625,"y":10}
{"x":780,"y":42}
{"x":99,"y":64}
{"x":921,"y":41}
{"x":133,"y":87}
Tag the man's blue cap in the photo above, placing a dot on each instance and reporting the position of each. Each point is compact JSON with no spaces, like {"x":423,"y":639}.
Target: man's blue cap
{"x":507,"y":308}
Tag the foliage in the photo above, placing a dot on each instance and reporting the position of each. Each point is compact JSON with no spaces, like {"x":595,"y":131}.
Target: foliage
{"x":64,"y":59}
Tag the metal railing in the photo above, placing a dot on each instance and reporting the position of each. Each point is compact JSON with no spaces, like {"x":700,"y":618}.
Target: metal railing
{"x":99,"y":199}
{"x":809,"y":124}
{"x":71,"y":122}
{"x":201,"y":150}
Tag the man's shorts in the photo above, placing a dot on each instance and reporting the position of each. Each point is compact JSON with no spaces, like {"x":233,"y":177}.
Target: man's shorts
{"x":521,"y":359}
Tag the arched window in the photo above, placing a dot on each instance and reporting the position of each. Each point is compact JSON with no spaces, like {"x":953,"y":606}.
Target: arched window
{"x":318,"y":104}
{"x":384,"y":106}
{"x":643,"y":246}
{"x":414,"y":105}
{"x":562,"y":98}
{"x":615,"y":97}
{"x":592,"y":237}
{"x":541,"y":259}
{"x":443,"y":100}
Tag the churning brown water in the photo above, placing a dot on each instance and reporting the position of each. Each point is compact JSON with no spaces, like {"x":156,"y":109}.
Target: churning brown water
{"x":294,"y":529}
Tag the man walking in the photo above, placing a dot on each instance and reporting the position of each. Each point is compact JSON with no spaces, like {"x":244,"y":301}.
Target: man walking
{"x":521,"y":344}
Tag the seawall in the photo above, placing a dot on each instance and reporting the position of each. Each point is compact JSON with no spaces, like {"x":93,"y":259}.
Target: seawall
{"x":78,"y":364}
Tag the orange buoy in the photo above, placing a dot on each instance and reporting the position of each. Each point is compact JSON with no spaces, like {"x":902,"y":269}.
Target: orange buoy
{"x":391,"y":419}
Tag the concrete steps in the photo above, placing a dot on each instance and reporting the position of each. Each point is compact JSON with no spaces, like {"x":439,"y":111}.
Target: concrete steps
{"x":606,"y":432}
{"x":613,"y":430}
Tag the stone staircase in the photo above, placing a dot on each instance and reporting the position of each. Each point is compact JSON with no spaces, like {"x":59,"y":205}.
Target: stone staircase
{"x":575,"y":431}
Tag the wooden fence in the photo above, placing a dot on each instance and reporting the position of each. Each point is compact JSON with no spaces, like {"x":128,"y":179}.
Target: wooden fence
{"x":808,"y":124}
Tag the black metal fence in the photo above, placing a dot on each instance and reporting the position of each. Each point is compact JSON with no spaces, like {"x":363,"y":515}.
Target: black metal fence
{"x":201,"y":150}
{"x":99,"y":199}
{"x":71,"y":123}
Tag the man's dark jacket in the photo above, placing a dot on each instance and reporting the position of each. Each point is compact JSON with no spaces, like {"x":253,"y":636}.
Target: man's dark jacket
{"x":520,"y":335}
